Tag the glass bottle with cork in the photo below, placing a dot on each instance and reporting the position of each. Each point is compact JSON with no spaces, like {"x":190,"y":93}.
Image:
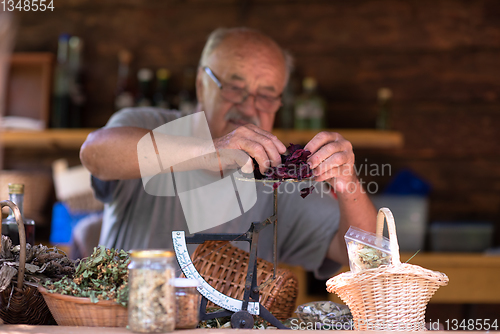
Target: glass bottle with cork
{"x":9,"y":224}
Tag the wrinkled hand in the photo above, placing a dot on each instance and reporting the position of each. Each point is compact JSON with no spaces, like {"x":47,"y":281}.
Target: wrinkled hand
{"x":259,"y":144}
{"x":332,"y":159}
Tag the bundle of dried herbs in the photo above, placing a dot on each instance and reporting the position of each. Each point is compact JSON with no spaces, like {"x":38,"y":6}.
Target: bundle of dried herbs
{"x":43,"y":263}
{"x":293,"y":166}
{"x":367,"y":250}
{"x":101,"y":276}
{"x":366,"y":257}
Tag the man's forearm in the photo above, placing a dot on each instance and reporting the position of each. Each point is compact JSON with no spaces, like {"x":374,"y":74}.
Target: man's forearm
{"x":356,"y":209}
{"x":111,"y":153}
{"x":128,"y":152}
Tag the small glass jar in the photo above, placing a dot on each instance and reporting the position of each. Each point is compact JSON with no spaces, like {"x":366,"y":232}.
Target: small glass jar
{"x":151,"y":305}
{"x":187,"y":299}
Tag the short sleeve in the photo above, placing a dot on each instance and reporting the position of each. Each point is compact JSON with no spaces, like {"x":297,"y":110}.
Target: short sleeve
{"x":103,"y":190}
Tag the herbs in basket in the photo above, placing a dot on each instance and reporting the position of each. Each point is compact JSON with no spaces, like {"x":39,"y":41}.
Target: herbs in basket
{"x":23,"y":304}
{"x":101,"y":276}
{"x":42,"y":263}
{"x":366,"y":250}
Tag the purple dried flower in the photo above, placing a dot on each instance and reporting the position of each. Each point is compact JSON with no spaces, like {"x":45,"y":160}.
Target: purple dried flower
{"x":293,"y":166}
{"x":306,"y":191}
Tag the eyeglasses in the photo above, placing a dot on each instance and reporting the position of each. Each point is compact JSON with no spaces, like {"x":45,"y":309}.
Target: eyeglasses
{"x":238,"y":95}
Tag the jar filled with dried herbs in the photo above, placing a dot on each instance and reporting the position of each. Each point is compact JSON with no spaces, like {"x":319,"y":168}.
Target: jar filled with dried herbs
{"x":151,"y":305}
{"x":187,"y":299}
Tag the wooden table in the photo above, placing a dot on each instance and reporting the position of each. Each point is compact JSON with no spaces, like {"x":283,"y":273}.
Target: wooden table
{"x":20,"y":329}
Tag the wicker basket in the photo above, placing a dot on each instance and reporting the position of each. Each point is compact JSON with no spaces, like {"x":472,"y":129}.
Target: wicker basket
{"x":78,"y":311}
{"x":390,"y":297}
{"x":22,"y":304}
{"x":224,"y":267}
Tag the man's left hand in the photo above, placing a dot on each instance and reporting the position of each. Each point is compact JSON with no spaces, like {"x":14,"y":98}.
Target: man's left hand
{"x":332,"y":159}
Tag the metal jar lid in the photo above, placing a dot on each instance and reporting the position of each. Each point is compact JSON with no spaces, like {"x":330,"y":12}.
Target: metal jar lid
{"x":151,"y":253}
{"x":16,"y":188}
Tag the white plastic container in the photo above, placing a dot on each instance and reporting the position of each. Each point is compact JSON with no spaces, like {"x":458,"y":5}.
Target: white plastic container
{"x":411,"y":216}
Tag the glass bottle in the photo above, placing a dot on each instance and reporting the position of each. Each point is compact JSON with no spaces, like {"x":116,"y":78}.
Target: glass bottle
{"x":160,"y":98}
{"x":9,"y":224}
{"x":151,"y":305}
{"x":124,"y":97}
{"x":187,"y":300}
{"x":384,"y":100}
{"x":144,"y":77}
{"x":286,"y":111}
{"x":61,"y":98}
{"x":76,"y":90}
{"x":187,"y":95}
{"x":309,"y":107}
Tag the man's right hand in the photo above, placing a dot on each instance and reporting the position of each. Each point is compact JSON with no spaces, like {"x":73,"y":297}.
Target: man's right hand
{"x":259,"y":144}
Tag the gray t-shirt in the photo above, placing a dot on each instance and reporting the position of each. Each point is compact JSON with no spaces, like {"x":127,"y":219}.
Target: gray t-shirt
{"x":133,"y":219}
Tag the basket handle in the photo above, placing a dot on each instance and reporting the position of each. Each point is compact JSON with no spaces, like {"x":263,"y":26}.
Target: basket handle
{"x":391,"y":226}
{"x":22,"y":240}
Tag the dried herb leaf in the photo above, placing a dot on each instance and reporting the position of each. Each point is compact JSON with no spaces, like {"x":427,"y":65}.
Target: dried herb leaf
{"x":101,"y":276}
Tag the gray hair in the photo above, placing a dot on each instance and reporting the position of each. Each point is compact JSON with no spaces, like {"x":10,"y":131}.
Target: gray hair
{"x":219,"y":34}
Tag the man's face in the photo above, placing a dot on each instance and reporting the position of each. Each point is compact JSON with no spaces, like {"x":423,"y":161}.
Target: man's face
{"x":257,"y":69}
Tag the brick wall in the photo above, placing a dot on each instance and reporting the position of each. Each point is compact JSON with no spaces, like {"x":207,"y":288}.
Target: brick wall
{"x":441,"y":59}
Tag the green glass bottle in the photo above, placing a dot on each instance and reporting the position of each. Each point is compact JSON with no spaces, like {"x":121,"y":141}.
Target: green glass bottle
{"x":309,"y":107}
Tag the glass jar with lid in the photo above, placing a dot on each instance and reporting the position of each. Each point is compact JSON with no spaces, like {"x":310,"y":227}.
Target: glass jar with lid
{"x":151,"y":306}
{"x":187,"y":300}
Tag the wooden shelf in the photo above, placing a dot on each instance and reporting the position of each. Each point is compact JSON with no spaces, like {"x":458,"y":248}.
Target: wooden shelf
{"x":47,"y":139}
{"x":74,"y":138}
{"x":359,"y":138}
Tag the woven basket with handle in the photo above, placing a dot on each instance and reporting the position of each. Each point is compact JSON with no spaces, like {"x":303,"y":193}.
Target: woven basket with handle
{"x":22,"y":304}
{"x":224,"y":267}
{"x":390,"y":297}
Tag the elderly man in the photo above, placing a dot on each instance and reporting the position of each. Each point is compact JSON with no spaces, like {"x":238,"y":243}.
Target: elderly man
{"x":241,"y":76}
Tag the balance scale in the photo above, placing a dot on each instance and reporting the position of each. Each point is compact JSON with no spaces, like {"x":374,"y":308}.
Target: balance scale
{"x":241,"y":311}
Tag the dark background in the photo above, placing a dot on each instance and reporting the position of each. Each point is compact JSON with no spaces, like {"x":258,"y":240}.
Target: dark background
{"x":440,"y":58}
